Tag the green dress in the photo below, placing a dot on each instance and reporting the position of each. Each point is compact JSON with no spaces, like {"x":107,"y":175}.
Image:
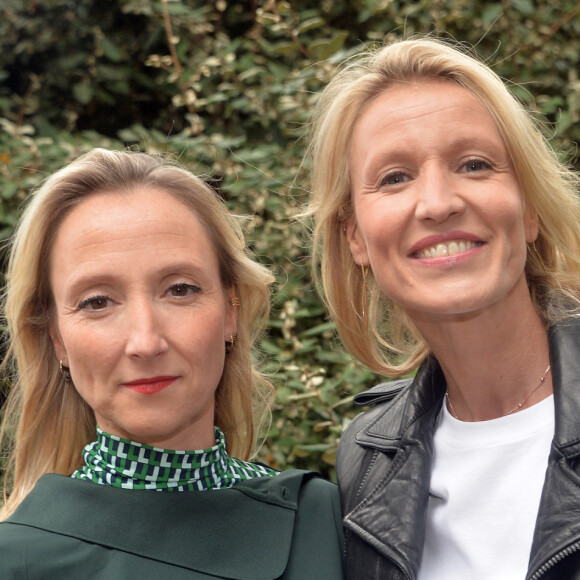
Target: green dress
{"x":288,"y":526}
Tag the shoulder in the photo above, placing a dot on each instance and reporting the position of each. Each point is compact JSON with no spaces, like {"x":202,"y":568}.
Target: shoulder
{"x":318,"y":522}
{"x":306,"y":493}
{"x":385,"y":397}
{"x":36,"y":553}
{"x":316,"y":491}
{"x":382,"y":393}
{"x":14,"y":543}
{"x":292,"y":488}
{"x":386,"y":403}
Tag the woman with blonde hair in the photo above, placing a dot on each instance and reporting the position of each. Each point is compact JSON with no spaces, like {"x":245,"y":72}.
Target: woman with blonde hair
{"x":447,"y":236}
{"x":132,"y":309}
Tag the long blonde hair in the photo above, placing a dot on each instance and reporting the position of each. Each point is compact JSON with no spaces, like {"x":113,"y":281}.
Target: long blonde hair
{"x":46,"y":423}
{"x":384,"y":339}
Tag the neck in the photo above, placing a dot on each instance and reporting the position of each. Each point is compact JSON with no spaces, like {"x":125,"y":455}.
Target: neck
{"x":492,"y":360}
{"x":118,"y":462}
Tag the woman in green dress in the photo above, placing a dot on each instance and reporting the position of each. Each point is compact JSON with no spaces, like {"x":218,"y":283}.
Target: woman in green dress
{"x":132,"y":308}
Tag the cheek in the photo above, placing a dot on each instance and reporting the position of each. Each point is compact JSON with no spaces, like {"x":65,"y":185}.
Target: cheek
{"x":91,"y":353}
{"x":202,"y":337}
{"x":520,"y":229}
{"x":383,"y":238}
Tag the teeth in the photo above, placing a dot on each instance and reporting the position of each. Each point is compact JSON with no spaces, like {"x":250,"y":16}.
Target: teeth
{"x":447,"y":249}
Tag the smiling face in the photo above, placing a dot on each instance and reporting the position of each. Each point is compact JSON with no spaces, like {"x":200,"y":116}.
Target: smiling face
{"x":438,"y":211}
{"x":141,"y":316}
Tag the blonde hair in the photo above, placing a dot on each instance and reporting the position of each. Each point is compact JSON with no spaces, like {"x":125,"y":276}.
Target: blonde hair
{"x":45,"y":418}
{"x":384,"y":339}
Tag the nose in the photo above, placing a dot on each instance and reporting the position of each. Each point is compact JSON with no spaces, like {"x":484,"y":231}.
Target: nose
{"x":439,"y":197}
{"x":145,"y":337}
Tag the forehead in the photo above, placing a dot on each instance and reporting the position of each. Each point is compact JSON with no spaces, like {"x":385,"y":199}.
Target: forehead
{"x":418,"y":98}
{"x":122,"y":222}
{"x":421,"y":114}
{"x":142,"y":204}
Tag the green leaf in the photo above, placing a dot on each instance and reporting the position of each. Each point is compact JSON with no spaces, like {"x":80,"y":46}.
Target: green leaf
{"x":310,"y":24}
{"x":83,"y":92}
{"x":315,"y":447}
{"x":491,"y":13}
{"x":524,"y":6}
{"x":250,"y":73}
{"x":319,"y":329}
{"x":284,"y":48}
{"x":9,"y":189}
{"x":323,"y":49}
{"x":564,"y":122}
{"x":110,"y":50}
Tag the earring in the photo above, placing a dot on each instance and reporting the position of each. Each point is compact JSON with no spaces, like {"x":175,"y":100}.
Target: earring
{"x":533,"y":245}
{"x":230,"y":343}
{"x":65,"y":372}
{"x":364,"y":296}
{"x":235,"y":302}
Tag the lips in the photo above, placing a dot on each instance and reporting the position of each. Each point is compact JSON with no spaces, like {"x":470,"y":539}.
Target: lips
{"x":150,"y":386}
{"x":443,"y":249}
{"x":445,"y":245}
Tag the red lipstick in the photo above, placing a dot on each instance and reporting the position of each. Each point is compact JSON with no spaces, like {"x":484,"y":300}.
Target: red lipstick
{"x":151,"y":385}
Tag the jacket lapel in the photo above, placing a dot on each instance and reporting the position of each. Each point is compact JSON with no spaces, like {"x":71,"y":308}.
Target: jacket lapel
{"x":558,"y":525}
{"x":392,"y":500}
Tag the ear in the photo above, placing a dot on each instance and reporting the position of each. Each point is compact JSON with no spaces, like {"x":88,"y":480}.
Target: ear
{"x":231,"y":315}
{"x":356,"y":242}
{"x":531,"y":224}
{"x":58,"y":344}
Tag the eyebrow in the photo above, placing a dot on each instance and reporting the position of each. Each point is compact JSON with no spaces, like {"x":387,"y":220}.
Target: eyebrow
{"x":394,"y":150}
{"x":109,"y":276}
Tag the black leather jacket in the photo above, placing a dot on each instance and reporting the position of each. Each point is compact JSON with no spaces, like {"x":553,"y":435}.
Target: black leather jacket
{"x":384,"y":470}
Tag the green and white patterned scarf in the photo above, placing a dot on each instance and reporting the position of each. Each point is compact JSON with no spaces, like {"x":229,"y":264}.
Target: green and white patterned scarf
{"x":111,"y":460}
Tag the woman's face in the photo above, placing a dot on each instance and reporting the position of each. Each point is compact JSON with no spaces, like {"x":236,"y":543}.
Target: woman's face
{"x":141,"y":316}
{"x":438,"y":210}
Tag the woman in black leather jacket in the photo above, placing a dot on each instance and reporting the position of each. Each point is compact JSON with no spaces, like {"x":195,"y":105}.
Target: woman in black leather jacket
{"x":447,"y":238}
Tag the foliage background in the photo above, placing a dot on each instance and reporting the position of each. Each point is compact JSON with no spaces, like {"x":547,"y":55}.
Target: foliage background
{"x":227,"y":88}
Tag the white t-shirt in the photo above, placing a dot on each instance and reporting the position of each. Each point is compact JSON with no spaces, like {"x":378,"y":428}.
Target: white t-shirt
{"x":484,"y":495}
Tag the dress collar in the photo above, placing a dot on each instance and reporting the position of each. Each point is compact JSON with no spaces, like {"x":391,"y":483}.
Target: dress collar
{"x":112,"y":460}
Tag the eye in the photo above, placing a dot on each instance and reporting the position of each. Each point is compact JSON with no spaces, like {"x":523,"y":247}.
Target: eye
{"x":181,"y":290}
{"x":394,"y":178}
{"x":98,"y":302}
{"x":474,"y":165}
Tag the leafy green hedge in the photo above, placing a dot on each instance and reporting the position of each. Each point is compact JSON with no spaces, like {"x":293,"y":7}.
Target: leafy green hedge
{"x":227,"y":87}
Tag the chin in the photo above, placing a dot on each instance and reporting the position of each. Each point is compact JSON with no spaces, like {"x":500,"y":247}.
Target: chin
{"x":448,"y":309}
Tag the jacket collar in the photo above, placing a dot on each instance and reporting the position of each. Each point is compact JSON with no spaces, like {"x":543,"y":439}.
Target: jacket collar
{"x":403,"y":417}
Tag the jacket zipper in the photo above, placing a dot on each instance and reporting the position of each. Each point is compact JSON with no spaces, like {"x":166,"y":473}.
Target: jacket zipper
{"x":555,"y":559}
